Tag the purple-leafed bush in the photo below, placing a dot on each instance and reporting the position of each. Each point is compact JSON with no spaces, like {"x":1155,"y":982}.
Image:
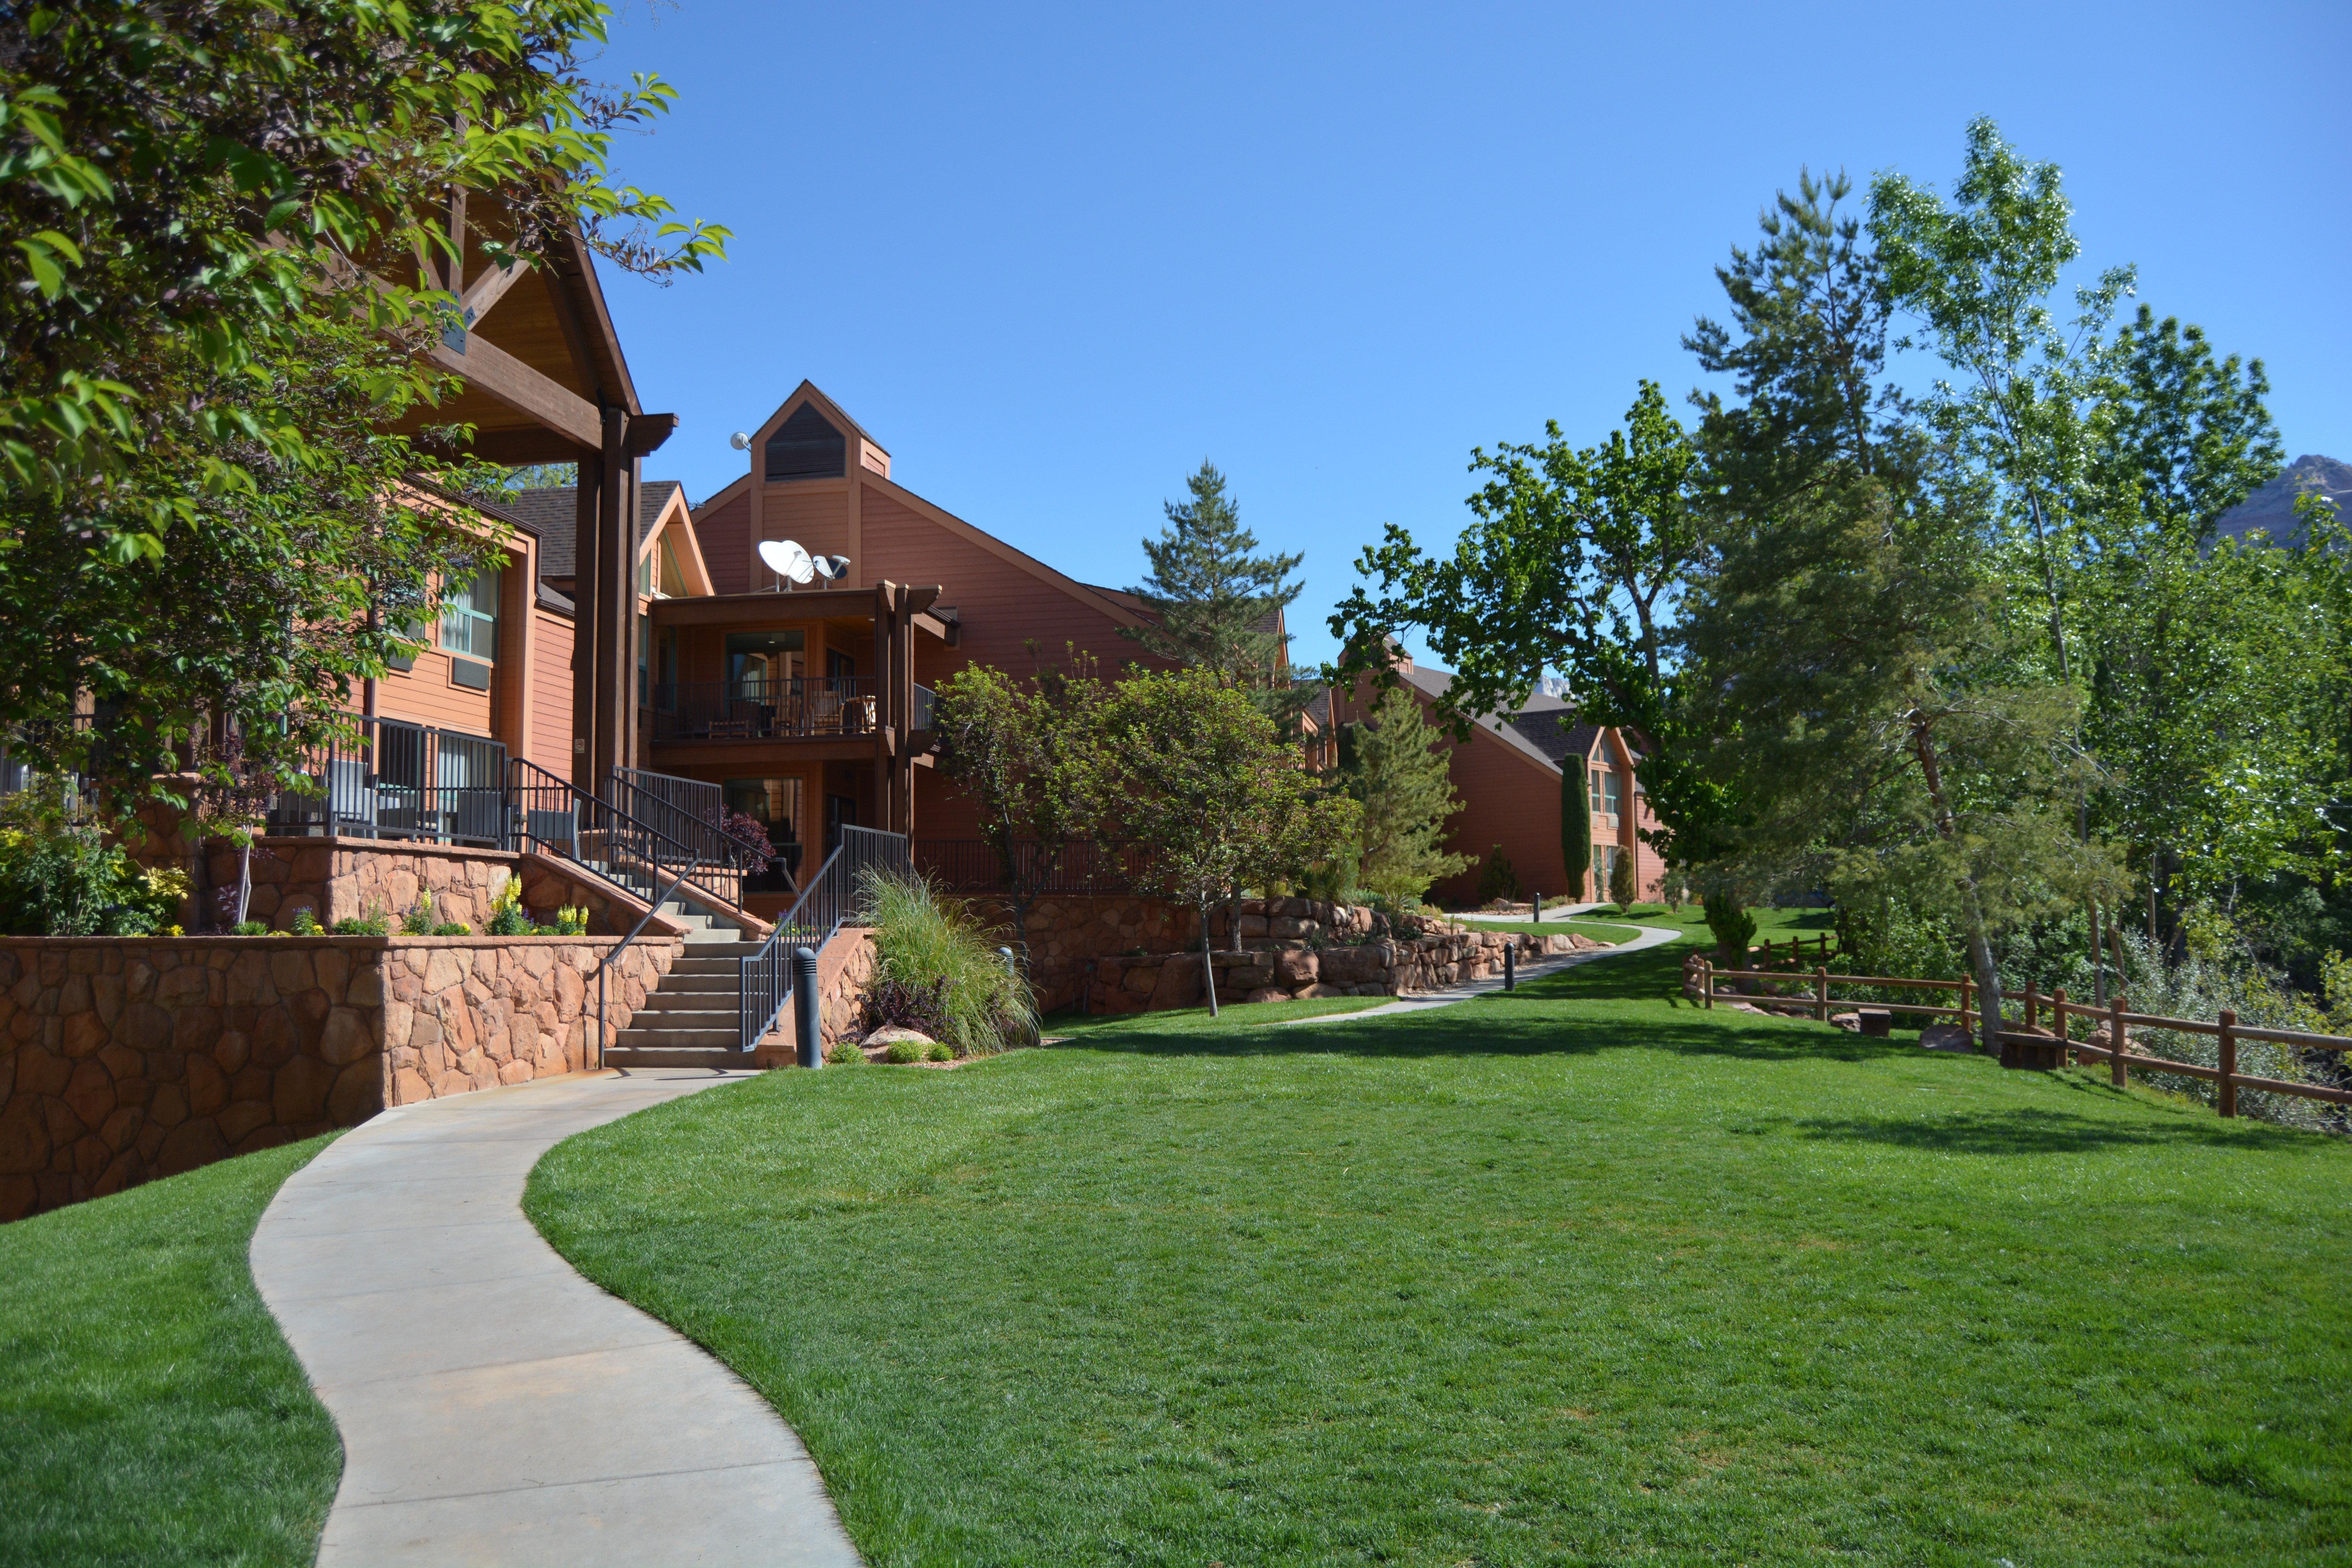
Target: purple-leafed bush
{"x":898,"y":1004}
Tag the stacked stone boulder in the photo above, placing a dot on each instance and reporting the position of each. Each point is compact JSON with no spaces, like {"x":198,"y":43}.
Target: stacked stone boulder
{"x":126,"y":1058}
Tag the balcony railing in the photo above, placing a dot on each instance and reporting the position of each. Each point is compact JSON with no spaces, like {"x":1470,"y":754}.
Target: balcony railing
{"x":400,"y":780}
{"x":826,"y":706}
{"x":974,"y":865}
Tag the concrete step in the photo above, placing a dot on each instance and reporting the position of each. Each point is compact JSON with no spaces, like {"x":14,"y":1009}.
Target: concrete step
{"x":652,"y":1017}
{"x":677,"y":984}
{"x":623,"y":1056}
{"x":728,"y":1037}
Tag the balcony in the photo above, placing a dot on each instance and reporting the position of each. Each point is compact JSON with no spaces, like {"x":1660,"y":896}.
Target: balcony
{"x":816,"y":708}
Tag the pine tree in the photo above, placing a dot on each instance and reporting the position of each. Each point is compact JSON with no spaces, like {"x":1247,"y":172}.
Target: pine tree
{"x":1399,"y":773}
{"x":1575,"y":826}
{"x":1624,"y":890}
{"x":1212,"y":592}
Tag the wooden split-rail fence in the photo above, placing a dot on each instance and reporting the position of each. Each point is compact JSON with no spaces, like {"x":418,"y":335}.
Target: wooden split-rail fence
{"x":2034,"y":1046}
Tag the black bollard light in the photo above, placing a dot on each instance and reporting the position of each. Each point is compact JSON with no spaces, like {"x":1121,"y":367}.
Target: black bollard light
{"x":805,"y":1008}
{"x":1510,"y":966}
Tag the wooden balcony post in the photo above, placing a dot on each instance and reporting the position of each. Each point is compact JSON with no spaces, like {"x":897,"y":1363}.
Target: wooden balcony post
{"x":2229,"y":1095}
{"x":885,"y":599}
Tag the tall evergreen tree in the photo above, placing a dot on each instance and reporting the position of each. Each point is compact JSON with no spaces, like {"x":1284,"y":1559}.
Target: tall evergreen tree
{"x":1575,"y":825}
{"x":1399,"y":776}
{"x":1213,"y":593}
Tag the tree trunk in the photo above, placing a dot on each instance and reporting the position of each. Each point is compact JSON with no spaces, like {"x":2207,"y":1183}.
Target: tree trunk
{"x":1972,"y":906}
{"x":2098,"y":960}
{"x":1208,"y":963}
{"x":243,"y":880}
{"x":1234,"y":918}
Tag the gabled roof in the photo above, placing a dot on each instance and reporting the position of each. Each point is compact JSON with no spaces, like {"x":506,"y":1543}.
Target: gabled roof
{"x":810,"y":393}
{"x":1437,"y":683}
{"x":553,"y":513}
{"x":1556,"y":732}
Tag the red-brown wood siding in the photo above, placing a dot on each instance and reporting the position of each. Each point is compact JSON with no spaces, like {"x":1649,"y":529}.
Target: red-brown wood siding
{"x":551,"y":695}
{"x":724,"y":533}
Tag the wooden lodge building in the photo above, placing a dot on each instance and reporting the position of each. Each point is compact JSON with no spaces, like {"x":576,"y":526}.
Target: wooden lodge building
{"x":808,"y":705}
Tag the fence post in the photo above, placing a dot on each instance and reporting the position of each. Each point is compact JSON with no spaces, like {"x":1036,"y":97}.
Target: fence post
{"x":1967,"y":994}
{"x":2229,"y":1062}
{"x":1707,"y":984}
{"x":2058,"y":1024}
{"x":2118,"y":1074}
{"x":1821,"y":992}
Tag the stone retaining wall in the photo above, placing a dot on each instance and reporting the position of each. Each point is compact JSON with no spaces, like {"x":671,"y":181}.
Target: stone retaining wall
{"x":355,"y":878}
{"x":1279,"y":970}
{"x":124,"y":1059}
{"x":1069,"y":935}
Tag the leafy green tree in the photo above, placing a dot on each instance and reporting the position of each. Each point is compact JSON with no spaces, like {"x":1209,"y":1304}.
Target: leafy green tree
{"x":1976,"y":275}
{"x":1572,"y":563}
{"x":230,"y":220}
{"x":1017,"y":748}
{"x":1865,"y":693}
{"x":1213,"y":593}
{"x":1575,"y":824}
{"x":1193,"y":772}
{"x":1399,"y":776}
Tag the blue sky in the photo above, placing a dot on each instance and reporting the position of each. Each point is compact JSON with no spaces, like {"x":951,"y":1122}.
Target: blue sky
{"x":1052,"y":257}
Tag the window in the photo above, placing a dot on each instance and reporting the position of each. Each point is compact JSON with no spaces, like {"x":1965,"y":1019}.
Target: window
{"x":761,"y":664}
{"x":1609,"y":792}
{"x":774,"y":804}
{"x":673,"y":581}
{"x":646,"y":575}
{"x":470,"y":617}
{"x":807,"y":446}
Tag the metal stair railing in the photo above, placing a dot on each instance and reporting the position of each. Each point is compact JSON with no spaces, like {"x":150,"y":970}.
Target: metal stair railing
{"x":566,"y":821}
{"x":833,"y":896}
{"x":688,"y":810}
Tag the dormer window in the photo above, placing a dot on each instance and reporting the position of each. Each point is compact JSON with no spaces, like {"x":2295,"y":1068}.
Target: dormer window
{"x":808,"y":446}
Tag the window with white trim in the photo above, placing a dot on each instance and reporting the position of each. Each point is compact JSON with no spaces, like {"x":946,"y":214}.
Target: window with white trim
{"x":470,"y":617}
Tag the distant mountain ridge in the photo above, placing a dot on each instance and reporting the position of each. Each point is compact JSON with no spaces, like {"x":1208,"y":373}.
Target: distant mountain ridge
{"x":2271,"y":508}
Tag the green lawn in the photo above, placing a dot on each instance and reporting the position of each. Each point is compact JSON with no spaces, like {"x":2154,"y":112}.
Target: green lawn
{"x":1577,"y":1275}
{"x":150,"y":1413}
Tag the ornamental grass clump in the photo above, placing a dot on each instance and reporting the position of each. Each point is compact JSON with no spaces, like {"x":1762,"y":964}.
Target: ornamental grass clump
{"x":932,"y":947}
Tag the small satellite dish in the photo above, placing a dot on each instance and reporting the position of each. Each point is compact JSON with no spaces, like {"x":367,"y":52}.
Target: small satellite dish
{"x":787,"y":560}
{"x":741,"y":440}
{"x":832,"y":568}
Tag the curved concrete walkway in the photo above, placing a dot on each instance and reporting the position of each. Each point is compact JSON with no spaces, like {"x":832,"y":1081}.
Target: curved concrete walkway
{"x":1423,"y":1000}
{"x":495,"y":1406}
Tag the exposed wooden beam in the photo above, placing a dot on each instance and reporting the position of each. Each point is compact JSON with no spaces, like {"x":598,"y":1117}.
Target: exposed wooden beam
{"x":489,"y":290}
{"x":500,"y":376}
{"x":648,"y":431}
{"x":517,"y":448}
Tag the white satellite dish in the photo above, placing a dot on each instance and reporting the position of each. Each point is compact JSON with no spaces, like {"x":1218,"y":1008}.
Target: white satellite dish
{"x":832,"y":568}
{"x":787,"y":560}
{"x":741,"y":440}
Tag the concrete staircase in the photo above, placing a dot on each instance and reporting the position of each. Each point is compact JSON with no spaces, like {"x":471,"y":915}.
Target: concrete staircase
{"x":693,"y":1019}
